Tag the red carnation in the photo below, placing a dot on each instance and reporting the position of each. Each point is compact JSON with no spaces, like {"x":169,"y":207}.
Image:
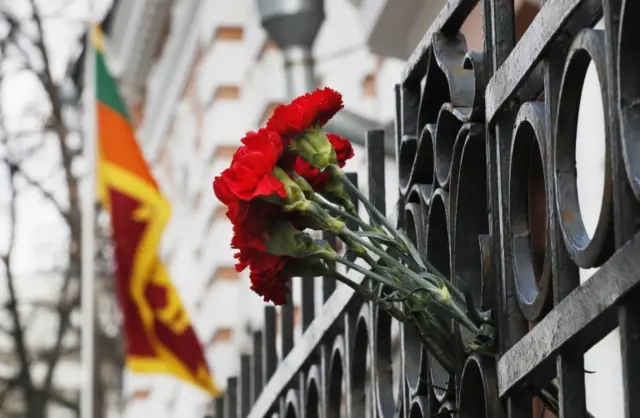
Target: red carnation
{"x":344,"y":150}
{"x":267,"y":279}
{"x":251,"y":172}
{"x":316,"y":178}
{"x":256,"y":216}
{"x":250,"y":229}
{"x":248,"y":245}
{"x":305,"y":112}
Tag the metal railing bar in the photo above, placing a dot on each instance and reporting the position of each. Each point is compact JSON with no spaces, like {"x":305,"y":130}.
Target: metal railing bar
{"x":302,"y":350}
{"x":550,"y":20}
{"x":580,"y":320}
{"x":448,"y":21}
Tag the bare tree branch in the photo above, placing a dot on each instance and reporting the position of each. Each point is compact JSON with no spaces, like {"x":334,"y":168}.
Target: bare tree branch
{"x":72,"y":186}
{"x":58,"y":12}
{"x":35,"y":184}
{"x":29,"y":51}
{"x":20,"y":346}
{"x":21,"y":135}
{"x":52,"y":91}
{"x":6,"y":331}
{"x":10,"y":384}
{"x":12,"y":39}
{"x":62,"y":401}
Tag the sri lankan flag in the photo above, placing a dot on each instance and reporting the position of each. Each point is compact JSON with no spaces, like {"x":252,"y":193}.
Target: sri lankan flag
{"x":158,"y":332}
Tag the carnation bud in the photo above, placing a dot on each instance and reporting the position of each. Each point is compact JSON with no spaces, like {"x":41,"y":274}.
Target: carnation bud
{"x":295,"y":195}
{"x":314,"y":147}
{"x":335,"y":192}
{"x":445,"y":295}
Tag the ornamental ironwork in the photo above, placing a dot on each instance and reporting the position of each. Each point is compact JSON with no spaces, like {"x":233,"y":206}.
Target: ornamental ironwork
{"x":486,"y":150}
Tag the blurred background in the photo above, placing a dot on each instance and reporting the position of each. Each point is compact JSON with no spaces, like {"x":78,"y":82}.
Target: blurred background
{"x":196,"y":74}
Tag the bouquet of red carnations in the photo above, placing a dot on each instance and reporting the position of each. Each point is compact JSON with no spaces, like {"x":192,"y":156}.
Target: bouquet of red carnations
{"x":287,"y":179}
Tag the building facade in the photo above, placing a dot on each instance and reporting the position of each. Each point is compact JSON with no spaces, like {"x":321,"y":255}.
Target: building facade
{"x":197,"y":75}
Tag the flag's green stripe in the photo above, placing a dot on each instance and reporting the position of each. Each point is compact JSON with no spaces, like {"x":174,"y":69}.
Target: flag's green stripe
{"x":107,"y":90}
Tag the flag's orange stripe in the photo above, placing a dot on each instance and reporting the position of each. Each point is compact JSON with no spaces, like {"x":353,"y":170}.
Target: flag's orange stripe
{"x":118,"y":145}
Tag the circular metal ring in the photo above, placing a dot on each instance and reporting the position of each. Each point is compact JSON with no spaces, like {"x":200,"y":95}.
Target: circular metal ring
{"x":438,"y":254}
{"x":446,"y":406}
{"x":421,"y":193}
{"x":417,"y":160}
{"x":406,"y":158}
{"x":434,"y":94}
{"x":388,"y":391}
{"x":361,"y":401}
{"x":337,"y":370}
{"x":449,"y":52}
{"x":292,"y":404}
{"x":467,"y":130}
{"x":415,"y":356}
{"x":414,"y":224}
{"x":313,"y":402}
{"x":628,"y":86}
{"x":469,"y":214}
{"x":528,"y":213}
{"x":415,"y":361}
{"x":437,"y":238}
{"x":420,"y":407}
{"x":450,"y":122}
{"x":585,"y":251}
{"x":474,"y":61}
{"x":478,"y":391}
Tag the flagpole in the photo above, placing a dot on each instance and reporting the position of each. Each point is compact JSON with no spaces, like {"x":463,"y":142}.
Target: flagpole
{"x":88,"y":230}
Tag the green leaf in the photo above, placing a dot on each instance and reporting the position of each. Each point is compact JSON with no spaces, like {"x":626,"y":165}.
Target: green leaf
{"x":376,"y":235}
{"x":396,"y":249}
{"x":417,"y":257}
{"x":403,"y":256}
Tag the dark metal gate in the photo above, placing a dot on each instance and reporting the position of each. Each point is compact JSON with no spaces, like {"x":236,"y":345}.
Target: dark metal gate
{"x":486,"y":159}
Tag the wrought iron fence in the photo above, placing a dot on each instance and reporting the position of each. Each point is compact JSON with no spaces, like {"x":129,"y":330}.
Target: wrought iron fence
{"x":486,"y":158}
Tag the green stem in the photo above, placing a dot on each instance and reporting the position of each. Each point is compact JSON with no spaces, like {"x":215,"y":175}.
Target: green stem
{"x":432,"y":287}
{"x":373,"y":211}
{"x":375,"y":265}
{"x":431,"y":332}
{"x":424,"y":316}
{"x":319,"y":199}
{"x":431,"y":272}
{"x":370,"y":296}
{"x":373,"y":275}
{"x":454,"y":290}
{"x":437,"y":347}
